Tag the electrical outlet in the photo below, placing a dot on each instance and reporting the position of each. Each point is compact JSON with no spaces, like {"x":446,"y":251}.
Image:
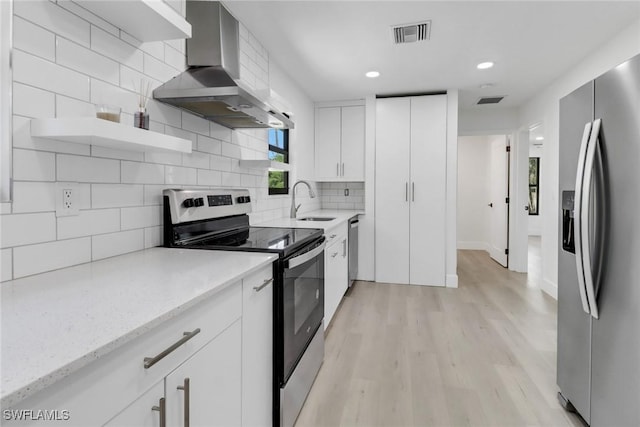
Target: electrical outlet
{"x":346,"y":192}
{"x":66,"y":199}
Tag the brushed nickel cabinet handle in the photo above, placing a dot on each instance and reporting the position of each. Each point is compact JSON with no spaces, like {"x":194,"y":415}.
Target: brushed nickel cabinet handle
{"x":344,"y":248}
{"x":150,"y":361}
{"x":337,"y":169}
{"x":406,"y":191}
{"x":333,"y":236}
{"x":413,"y":191}
{"x":335,"y":254}
{"x":187,"y":390}
{"x":343,"y":169}
{"x":162,"y":408}
{"x":264,"y":285}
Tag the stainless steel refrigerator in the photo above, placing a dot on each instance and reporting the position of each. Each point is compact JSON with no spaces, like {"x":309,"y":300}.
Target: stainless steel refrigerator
{"x":599,"y":255}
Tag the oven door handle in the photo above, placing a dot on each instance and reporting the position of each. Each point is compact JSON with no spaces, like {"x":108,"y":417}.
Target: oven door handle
{"x":301,"y":259}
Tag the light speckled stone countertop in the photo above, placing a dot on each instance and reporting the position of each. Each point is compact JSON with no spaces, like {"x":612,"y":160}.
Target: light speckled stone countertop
{"x":55,"y":323}
{"x":339,"y":215}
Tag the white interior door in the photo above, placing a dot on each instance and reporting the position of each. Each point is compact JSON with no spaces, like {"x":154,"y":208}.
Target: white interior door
{"x":392,"y":190}
{"x":428,"y":190}
{"x":499,"y":212}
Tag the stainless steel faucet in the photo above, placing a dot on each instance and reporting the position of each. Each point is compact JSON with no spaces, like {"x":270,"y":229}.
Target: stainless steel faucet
{"x":294,"y":208}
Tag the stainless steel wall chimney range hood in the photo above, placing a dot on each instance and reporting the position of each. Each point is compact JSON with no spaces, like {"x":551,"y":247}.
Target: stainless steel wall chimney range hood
{"x":211,"y":86}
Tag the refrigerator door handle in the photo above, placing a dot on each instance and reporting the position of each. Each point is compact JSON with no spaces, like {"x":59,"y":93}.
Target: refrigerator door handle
{"x":577,"y":206}
{"x":587,"y":259}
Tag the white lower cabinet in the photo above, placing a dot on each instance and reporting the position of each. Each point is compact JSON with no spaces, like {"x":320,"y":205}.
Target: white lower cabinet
{"x":227,"y":362}
{"x":336,"y":271}
{"x":203,"y":391}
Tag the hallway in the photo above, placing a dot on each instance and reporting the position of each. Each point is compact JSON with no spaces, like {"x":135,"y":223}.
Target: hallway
{"x":483,"y":354}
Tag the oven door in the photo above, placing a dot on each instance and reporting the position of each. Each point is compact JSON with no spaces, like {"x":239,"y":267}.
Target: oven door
{"x":302,"y":303}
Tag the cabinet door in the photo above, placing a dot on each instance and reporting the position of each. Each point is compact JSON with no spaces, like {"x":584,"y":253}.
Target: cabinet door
{"x":140,"y":412}
{"x":332,"y":257}
{"x":392,"y":190}
{"x":257,"y":349}
{"x":327,"y":143}
{"x":428,"y":189}
{"x":353,"y":131}
{"x":214,"y":384}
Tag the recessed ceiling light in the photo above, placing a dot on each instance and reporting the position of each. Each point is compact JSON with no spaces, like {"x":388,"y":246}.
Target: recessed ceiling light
{"x":486,"y":85}
{"x":372,"y":74}
{"x":484,"y":65}
{"x":539,"y":138}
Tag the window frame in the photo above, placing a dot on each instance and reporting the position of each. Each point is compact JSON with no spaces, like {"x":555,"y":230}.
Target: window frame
{"x":285,"y":152}
{"x":535,"y":185}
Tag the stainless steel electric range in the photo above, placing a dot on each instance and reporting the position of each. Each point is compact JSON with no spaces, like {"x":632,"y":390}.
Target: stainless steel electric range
{"x":217,"y":220}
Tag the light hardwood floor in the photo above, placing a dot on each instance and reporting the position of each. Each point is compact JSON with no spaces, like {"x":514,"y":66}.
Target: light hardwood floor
{"x":482,"y":354}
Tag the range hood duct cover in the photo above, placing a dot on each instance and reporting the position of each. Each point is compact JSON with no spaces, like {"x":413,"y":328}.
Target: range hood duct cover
{"x":211,"y":86}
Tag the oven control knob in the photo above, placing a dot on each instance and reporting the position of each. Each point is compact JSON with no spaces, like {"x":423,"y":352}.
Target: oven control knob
{"x":244,"y":199}
{"x":188,"y":203}
{"x":198,"y":202}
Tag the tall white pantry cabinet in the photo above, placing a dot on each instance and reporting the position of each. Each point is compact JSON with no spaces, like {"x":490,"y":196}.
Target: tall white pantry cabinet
{"x":410,"y":191}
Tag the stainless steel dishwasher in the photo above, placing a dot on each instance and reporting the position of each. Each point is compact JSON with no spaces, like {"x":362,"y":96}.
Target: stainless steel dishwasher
{"x":353,"y":249}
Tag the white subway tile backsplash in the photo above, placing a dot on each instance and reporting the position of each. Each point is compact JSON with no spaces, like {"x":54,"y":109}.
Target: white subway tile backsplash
{"x":155,"y":49}
{"x":163,"y":113}
{"x":196,"y":159}
{"x":140,"y":217}
{"x":25,"y":229}
{"x":69,"y":107}
{"x":116,"y":195}
{"x":86,"y":169}
{"x":195,"y":124}
{"x":179,"y":175}
{"x":230,"y":150}
{"x":108,"y":245}
{"x":230,"y":179}
{"x":113,"y":47}
{"x":178,"y":45}
{"x":33,"y":102}
{"x":175,"y":58}
{"x":106,"y":93}
{"x":208,"y":145}
{"x":54,"y":18}
{"x":89,"y":16}
{"x":31,"y":165}
{"x":88,"y":223}
{"x":152,"y":237}
{"x":33,"y":197}
{"x":34,"y":39}
{"x":112,"y":153}
{"x":220,"y":163}
{"x":142,"y":173}
{"x":158,"y":69}
{"x":153,"y":194}
{"x":6,"y":264}
{"x":40,"y":73}
{"x":165,"y":158}
{"x":219,"y":132}
{"x":208,"y":177}
{"x":181,"y":133}
{"x":5,"y":208}
{"x":86,"y":61}
{"x":34,"y":259}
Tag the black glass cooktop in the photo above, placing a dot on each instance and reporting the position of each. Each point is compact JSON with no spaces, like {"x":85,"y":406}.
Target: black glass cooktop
{"x":261,"y":239}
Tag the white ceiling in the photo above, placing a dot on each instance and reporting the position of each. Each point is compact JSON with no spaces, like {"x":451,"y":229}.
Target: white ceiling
{"x":327,"y":46}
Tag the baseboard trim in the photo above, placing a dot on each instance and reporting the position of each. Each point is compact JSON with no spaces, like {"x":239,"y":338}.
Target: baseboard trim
{"x":549,"y":288}
{"x":473,"y":246}
{"x":451,"y":281}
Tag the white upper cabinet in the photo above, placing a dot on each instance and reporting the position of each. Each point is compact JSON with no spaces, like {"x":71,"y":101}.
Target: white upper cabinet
{"x":339,"y":142}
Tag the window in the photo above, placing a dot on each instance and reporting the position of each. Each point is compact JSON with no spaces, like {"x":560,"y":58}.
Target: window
{"x":534,"y":180}
{"x":279,"y":151}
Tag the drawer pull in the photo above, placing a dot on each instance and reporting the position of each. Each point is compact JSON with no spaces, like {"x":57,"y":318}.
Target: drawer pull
{"x":264,"y":285}
{"x":333,"y":236}
{"x":150,"y":361}
{"x":162,"y":408}
{"x":187,"y":391}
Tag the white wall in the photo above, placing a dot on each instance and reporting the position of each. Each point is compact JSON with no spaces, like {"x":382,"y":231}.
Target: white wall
{"x":545,"y":108}
{"x":487,"y":120}
{"x":65,"y":61}
{"x":535,"y":221}
{"x":474,"y":157}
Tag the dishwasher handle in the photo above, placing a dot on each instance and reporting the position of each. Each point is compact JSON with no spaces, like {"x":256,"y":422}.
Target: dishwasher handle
{"x":354,"y":223}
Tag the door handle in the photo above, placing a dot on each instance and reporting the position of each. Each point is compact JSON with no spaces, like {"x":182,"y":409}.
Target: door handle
{"x":406,"y":191}
{"x":413,"y":191}
{"x":187,"y":391}
{"x":490,"y":205}
{"x":162,"y":409}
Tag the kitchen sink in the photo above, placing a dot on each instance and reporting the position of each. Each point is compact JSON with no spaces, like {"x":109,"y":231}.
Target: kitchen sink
{"x":316,"y":218}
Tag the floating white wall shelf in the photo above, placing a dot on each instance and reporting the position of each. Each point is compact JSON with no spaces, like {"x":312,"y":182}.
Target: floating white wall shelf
{"x":94,"y":131}
{"x":265,"y":164}
{"x":146,"y":20}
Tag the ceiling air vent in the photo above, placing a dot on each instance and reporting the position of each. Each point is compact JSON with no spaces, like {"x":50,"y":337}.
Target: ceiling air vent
{"x":489,"y":100}
{"x":409,"y":33}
